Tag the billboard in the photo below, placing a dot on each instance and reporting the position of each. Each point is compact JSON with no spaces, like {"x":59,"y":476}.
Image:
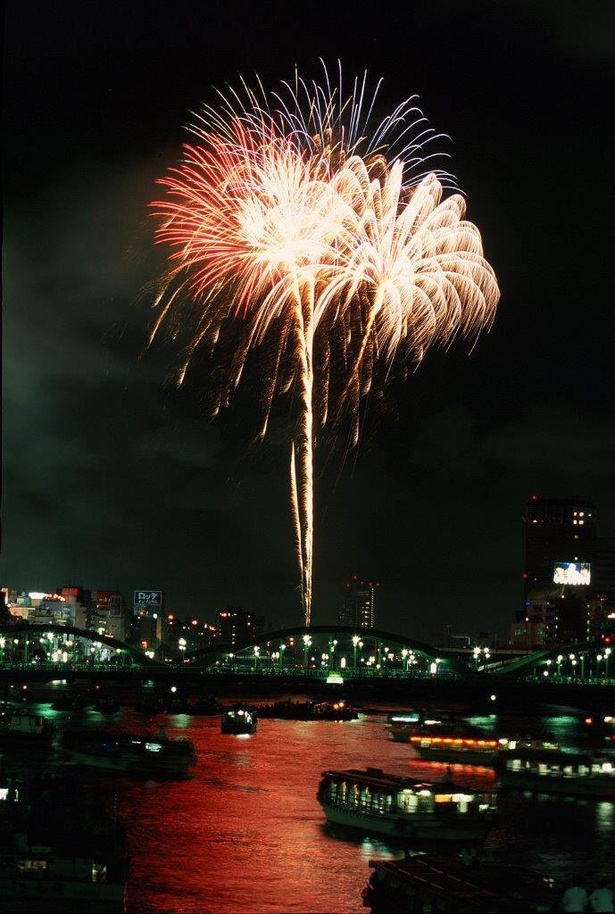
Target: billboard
{"x":143,"y":599}
{"x":575,"y":573}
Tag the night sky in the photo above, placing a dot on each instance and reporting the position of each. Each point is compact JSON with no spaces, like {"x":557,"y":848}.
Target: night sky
{"x":113,"y":477}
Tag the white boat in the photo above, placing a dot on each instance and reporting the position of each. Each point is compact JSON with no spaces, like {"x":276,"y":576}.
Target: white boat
{"x":384,"y":804}
{"x":557,"y":771}
{"x":240,"y":719}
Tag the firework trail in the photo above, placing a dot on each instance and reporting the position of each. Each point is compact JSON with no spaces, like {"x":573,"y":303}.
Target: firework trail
{"x":293,"y":221}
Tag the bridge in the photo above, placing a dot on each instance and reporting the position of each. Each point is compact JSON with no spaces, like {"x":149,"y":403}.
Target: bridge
{"x":40,"y":651}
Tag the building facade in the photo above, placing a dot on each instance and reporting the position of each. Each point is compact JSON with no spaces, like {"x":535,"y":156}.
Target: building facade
{"x":358,"y":606}
{"x":236,"y":625}
{"x":569,"y":574}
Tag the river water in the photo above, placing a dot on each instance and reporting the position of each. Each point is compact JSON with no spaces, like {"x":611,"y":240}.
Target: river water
{"x":245,"y":834}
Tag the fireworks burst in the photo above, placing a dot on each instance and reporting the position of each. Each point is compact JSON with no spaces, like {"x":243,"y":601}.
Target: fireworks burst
{"x":292,"y":220}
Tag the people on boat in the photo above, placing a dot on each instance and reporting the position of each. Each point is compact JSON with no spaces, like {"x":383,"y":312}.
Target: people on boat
{"x":601,"y":899}
{"x":576,"y":897}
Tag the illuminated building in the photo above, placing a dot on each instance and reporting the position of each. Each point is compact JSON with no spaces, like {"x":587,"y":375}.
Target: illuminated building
{"x":235,"y":625}
{"x":557,"y":530}
{"x":569,"y":573}
{"x":358,"y":607}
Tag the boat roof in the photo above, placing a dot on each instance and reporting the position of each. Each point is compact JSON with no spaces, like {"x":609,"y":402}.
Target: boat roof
{"x":377,"y":778}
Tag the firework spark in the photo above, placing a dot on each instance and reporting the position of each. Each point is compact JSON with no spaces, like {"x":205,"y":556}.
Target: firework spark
{"x":292,"y":220}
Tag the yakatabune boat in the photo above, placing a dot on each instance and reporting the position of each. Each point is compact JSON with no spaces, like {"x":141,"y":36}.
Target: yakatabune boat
{"x":62,"y":848}
{"x":427,"y":882}
{"x":128,"y":753}
{"x":385,"y":804}
{"x":239,"y":719}
{"x":461,"y":750}
{"x":557,"y":771}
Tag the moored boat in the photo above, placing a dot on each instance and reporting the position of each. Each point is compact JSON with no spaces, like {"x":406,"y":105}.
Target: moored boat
{"x":129,"y":753}
{"x":384,"y":804}
{"x":309,"y":710}
{"x":428,"y":882}
{"x":62,"y":848}
{"x":557,"y":771}
{"x":240,"y":719}
{"x":23,"y":727}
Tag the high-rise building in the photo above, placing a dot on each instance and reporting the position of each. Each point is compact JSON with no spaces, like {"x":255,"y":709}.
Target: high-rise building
{"x":569,"y":572}
{"x":235,"y":625}
{"x":358,"y":607}
{"x":559,"y":532}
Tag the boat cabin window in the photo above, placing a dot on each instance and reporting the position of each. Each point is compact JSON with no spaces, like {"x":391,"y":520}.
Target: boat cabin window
{"x":99,"y":872}
{"x":32,"y":866}
{"x":407,"y":801}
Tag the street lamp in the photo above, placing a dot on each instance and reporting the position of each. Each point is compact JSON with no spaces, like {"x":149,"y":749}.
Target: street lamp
{"x":607,"y":654}
{"x":182,"y":644}
{"x":332,"y":646}
{"x":355,"y":644}
{"x":257,"y":651}
{"x":307,"y":641}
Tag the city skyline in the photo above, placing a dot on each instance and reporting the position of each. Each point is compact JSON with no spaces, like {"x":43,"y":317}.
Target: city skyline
{"x":112,"y":477}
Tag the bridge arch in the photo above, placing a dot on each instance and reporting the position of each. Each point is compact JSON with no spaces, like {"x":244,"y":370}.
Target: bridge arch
{"x":583,"y":659}
{"x":331,"y":647}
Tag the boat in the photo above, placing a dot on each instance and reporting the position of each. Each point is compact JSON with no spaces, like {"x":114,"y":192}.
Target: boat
{"x":240,"y":719}
{"x":455,"y":742}
{"x":430,"y":882}
{"x":309,"y":710}
{"x":128,"y":753}
{"x":558,"y":771}
{"x":23,"y":727}
{"x":404,"y":724}
{"x":62,"y":848}
{"x":463,"y":744}
{"x":459,"y":750}
{"x":384,"y":804}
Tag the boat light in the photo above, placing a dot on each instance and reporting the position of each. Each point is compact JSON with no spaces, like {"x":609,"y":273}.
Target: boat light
{"x":153,"y":747}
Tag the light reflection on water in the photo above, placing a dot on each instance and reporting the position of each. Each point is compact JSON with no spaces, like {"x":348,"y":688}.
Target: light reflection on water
{"x":245,"y":835}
